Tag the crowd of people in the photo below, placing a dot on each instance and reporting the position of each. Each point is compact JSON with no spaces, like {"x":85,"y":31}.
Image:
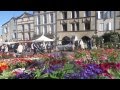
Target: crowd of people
{"x":41,"y":47}
{"x":20,"y":48}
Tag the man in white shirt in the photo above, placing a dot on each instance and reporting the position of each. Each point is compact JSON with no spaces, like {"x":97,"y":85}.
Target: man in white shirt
{"x":20,"y":48}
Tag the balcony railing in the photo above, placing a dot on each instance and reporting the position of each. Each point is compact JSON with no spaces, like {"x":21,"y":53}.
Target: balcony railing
{"x":63,"y":22}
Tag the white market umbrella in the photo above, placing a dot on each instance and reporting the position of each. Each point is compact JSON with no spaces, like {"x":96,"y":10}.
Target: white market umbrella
{"x":43,"y":38}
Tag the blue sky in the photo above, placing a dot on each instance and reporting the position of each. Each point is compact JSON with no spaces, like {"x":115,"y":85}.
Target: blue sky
{"x":7,"y":15}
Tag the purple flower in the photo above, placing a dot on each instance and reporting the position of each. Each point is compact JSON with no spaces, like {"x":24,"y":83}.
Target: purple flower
{"x":24,"y":76}
{"x":56,"y":67}
{"x":72,"y":76}
{"x":47,"y":71}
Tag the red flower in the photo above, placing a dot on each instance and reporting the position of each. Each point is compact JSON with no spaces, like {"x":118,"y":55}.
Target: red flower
{"x":117,"y":66}
{"x":106,"y":66}
{"x":108,"y":75}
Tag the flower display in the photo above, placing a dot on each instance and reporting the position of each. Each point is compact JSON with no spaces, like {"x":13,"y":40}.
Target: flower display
{"x":3,"y":66}
{"x":82,"y":64}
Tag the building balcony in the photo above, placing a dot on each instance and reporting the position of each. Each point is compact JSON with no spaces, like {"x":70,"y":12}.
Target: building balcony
{"x":74,"y":21}
{"x":25,"y":31}
{"x":84,"y":20}
{"x":63,"y":21}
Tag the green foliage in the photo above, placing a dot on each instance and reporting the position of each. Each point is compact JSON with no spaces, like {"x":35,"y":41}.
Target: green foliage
{"x":57,"y":74}
{"x":21,"y":65}
{"x":80,"y":55}
{"x":6,"y":75}
{"x":114,"y":73}
{"x":38,"y":73}
{"x":12,"y":66}
{"x":113,"y":37}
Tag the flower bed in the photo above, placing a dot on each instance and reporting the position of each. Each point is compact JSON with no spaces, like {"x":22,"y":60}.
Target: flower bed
{"x":83,"y":64}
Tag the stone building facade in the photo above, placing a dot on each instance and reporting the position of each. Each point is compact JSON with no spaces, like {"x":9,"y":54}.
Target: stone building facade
{"x":117,"y":21}
{"x":9,"y":30}
{"x":25,"y":26}
{"x":45,"y":23}
{"x":76,"y":24}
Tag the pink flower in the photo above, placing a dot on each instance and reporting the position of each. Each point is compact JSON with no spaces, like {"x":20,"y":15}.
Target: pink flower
{"x":103,"y":58}
{"x":117,"y":66}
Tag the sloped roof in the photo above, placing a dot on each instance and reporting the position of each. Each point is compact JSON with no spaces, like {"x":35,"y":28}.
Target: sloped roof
{"x":25,"y":14}
{"x":9,"y":20}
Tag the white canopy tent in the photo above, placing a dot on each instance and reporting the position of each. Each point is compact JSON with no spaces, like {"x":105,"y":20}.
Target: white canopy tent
{"x":43,"y":38}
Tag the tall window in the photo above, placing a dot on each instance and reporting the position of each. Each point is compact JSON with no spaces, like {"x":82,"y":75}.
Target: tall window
{"x":110,"y":14}
{"x":41,"y":29}
{"x":51,"y":16}
{"x":101,"y":15}
{"x":73,"y":27}
{"x":23,"y":28}
{"x":42,"y":19}
{"x":101,"y":25}
{"x":52,"y":28}
{"x":107,"y":26}
{"x":23,"y":32}
{"x":15,"y":35}
{"x":77,"y":25}
{"x":73,"y":14}
{"x":29,"y":26}
{"x":45,"y":29}
{"x":29,"y":31}
{"x":38,"y":19}
{"x":5,"y":30}
{"x":77,"y":14}
{"x":64,"y":14}
{"x":117,"y":13}
{"x":64,"y":27}
{"x":119,"y":25}
{"x":87,"y":13}
{"x":26,"y":27}
{"x":87,"y":25}
{"x":45,"y":18}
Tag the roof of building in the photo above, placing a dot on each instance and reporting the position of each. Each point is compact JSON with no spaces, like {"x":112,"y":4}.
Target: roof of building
{"x":9,"y":20}
{"x":25,"y":14}
{"x":21,"y":16}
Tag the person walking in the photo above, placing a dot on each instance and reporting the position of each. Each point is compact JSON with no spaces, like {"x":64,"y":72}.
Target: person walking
{"x":20,"y":48}
{"x":32,"y":47}
{"x":2,"y":48}
{"x":35,"y":48}
{"x":6,"y":49}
